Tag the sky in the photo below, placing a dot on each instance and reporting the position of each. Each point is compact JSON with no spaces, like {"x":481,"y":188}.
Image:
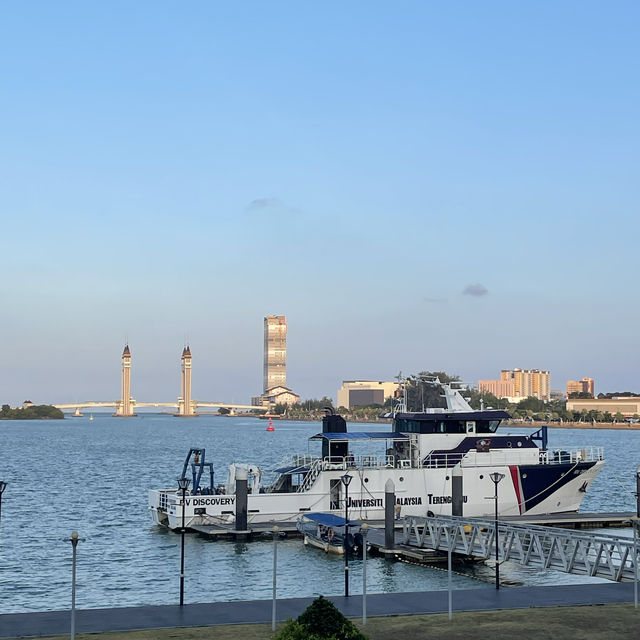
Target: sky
{"x":415,"y":185}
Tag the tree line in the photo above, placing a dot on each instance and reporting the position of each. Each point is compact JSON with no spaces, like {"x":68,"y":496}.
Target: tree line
{"x":422,"y":393}
{"x":30,"y":412}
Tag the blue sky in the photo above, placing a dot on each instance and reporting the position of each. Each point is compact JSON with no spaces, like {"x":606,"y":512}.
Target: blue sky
{"x":179,"y":170}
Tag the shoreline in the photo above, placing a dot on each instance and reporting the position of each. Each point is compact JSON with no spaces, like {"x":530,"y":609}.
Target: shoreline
{"x":620,"y":426}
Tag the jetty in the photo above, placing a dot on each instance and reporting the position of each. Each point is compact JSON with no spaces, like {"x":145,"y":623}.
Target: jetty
{"x":563,"y":520}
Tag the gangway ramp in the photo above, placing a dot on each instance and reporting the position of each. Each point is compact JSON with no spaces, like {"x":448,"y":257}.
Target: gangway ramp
{"x":593,"y":554}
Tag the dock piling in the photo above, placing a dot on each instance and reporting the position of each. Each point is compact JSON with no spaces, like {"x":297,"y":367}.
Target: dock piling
{"x":241,"y":503}
{"x":389,"y":514}
{"x":457,"y":499}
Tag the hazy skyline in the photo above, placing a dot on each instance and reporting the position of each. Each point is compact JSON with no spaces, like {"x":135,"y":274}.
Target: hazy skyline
{"x":415,"y":186}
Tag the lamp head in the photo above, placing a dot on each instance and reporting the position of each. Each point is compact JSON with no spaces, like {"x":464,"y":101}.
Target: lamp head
{"x":74,"y":535}
{"x":346,"y":479}
{"x":3,"y":486}
{"x":183,"y":483}
{"x":496,"y":477}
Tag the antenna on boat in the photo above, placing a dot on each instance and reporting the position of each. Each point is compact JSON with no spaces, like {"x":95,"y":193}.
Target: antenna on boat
{"x":400,"y":394}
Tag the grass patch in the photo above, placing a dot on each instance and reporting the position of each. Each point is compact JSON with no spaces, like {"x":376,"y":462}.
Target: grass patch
{"x":578,"y":623}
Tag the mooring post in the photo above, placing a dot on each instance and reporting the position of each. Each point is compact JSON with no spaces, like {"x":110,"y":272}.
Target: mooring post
{"x":241,"y":502}
{"x":457,"y":500}
{"x":389,"y":514}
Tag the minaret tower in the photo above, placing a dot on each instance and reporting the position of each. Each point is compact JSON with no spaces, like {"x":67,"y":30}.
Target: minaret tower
{"x":125,"y":406}
{"x":185,"y":406}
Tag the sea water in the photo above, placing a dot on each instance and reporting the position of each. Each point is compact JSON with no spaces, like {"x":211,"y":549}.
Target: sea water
{"x":93,"y":477}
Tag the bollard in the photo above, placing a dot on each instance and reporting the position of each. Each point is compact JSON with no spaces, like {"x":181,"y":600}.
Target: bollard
{"x":456,"y":491}
{"x":389,"y":514}
{"x":241,"y":502}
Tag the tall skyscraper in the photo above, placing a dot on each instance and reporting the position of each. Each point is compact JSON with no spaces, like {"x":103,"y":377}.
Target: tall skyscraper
{"x":124,"y":408}
{"x":275,"y":352}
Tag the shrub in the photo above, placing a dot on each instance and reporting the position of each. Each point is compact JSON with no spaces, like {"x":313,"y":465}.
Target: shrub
{"x":320,"y":621}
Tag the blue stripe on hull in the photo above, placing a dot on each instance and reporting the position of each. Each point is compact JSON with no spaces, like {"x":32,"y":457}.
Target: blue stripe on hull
{"x":541,"y":481}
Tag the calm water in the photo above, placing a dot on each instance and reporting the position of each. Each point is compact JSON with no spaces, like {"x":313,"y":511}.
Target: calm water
{"x":93,"y":477}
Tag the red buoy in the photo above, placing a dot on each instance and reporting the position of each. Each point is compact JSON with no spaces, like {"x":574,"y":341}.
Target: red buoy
{"x":271,"y":427}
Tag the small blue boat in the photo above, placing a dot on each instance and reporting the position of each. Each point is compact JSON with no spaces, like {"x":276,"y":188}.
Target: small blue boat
{"x":326,"y":531}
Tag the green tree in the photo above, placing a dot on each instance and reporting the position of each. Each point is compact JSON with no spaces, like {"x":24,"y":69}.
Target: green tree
{"x":320,"y":621}
{"x":422,"y":391}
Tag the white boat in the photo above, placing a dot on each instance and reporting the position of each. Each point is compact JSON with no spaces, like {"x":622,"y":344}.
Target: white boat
{"x":418,"y":455}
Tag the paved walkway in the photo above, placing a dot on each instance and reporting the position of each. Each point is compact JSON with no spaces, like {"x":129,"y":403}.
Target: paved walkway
{"x":20,"y":625}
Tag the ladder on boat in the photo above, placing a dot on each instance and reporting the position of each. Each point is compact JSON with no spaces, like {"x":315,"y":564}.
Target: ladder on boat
{"x":593,"y":554}
{"x":312,"y":474}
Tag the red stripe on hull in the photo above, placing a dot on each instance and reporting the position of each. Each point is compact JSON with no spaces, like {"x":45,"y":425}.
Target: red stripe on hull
{"x":515,"y":478}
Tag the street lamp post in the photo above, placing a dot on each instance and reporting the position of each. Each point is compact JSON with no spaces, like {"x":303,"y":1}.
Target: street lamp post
{"x":3,"y":486}
{"x":450,"y":532}
{"x":496,"y":477}
{"x":346,"y":479}
{"x":635,"y":541}
{"x":276,"y":533}
{"x":364,"y":529}
{"x":74,"y":539}
{"x":183,"y":483}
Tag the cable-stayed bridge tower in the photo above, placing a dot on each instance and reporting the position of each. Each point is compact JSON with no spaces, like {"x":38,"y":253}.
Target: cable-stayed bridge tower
{"x":186,"y":406}
{"x":124,"y":408}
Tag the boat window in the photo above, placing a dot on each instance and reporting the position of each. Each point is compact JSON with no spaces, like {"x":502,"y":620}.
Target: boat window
{"x":405,"y":425}
{"x":487,"y":426}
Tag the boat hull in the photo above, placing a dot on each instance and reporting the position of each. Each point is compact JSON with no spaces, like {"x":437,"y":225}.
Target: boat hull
{"x":533,"y":489}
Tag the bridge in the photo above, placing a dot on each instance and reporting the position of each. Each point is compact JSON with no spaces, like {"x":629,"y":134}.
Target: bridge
{"x":196,"y":404}
{"x":592,"y":554}
{"x":185,"y":405}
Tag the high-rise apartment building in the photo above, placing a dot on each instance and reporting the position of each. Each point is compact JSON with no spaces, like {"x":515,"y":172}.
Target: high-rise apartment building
{"x":499,"y":388}
{"x":586,"y":385}
{"x":528,"y":382}
{"x":275,"y":352}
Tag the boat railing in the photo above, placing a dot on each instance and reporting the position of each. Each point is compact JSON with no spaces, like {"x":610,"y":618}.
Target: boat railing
{"x":442,"y":460}
{"x":162,"y":500}
{"x":297,"y":460}
{"x":340,"y":463}
{"x":583,"y":454}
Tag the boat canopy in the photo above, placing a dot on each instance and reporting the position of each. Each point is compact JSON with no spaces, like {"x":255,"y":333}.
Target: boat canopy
{"x":328,"y":519}
{"x":360,"y":435}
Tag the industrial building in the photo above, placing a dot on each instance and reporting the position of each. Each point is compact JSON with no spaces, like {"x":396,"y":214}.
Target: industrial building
{"x":358,"y":393}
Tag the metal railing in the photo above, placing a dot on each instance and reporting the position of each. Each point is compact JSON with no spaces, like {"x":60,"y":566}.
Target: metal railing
{"x":605,"y":556}
{"x":493,"y":457}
